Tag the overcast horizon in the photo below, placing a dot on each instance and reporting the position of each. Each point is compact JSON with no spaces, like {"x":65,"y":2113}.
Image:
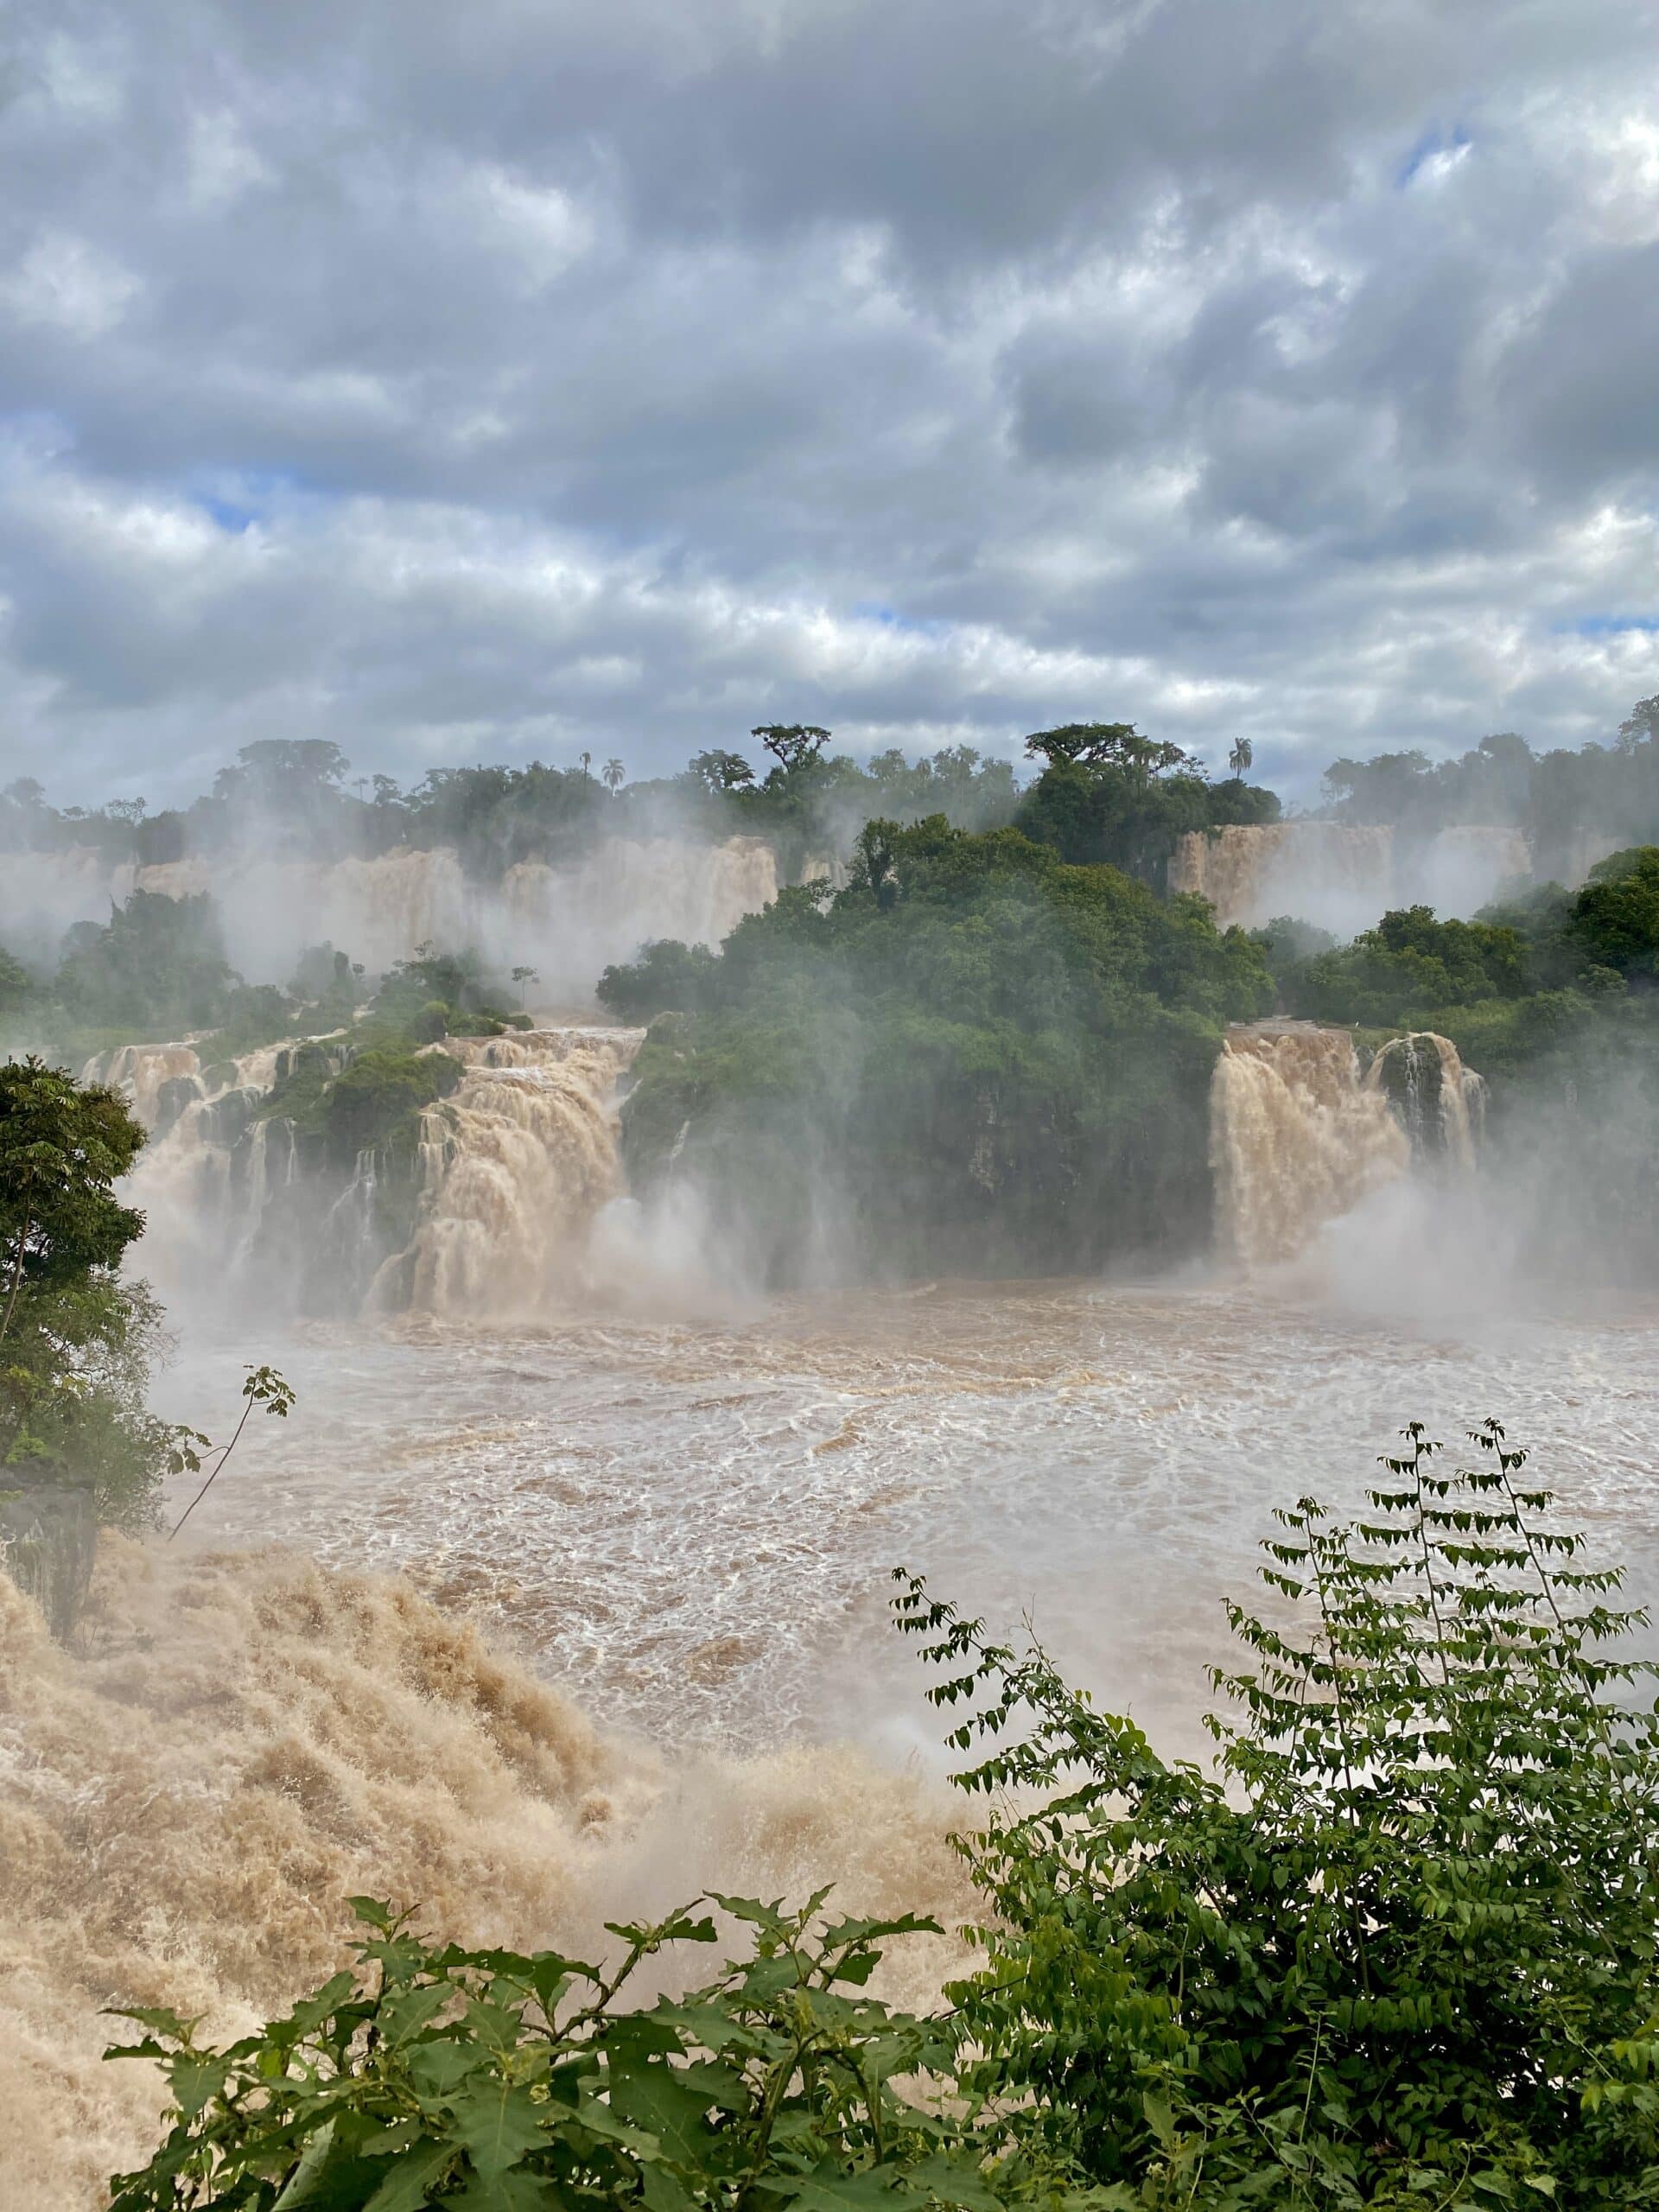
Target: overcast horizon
{"x":510,"y":383}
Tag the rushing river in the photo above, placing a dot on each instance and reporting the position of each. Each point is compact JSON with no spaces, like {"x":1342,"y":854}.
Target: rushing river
{"x":570,"y":1618}
{"x":689,"y":1526}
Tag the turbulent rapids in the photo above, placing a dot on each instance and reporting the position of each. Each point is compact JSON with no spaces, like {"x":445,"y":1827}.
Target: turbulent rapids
{"x":239,"y":1744}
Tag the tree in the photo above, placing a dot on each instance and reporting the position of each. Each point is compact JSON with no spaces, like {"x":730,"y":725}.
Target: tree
{"x":521,"y":976}
{"x":720,"y":771}
{"x":1640,"y":726}
{"x":1239,"y":759}
{"x":587,"y":760}
{"x":1616,"y":916}
{"x":286,"y":774}
{"x":793,"y":744}
{"x":1397,"y":1949}
{"x":62,"y":1149}
{"x":16,"y":985}
{"x":157,"y":968}
{"x":77,"y":1444}
{"x":128,"y":811}
{"x":1116,"y":745}
{"x":612,"y":774}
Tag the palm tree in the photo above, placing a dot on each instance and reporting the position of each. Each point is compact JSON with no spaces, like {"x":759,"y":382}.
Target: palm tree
{"x":587,"y":760}
{"x":1240,"y":758}
{"x":612,"y":774}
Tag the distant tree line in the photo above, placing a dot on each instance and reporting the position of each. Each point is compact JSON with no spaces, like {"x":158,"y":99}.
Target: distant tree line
{"x":1101,"y":789}
{"x":1609,"y":789}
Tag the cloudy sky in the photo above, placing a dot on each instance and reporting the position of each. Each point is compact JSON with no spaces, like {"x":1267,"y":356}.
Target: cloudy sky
{"x":498,"y":380}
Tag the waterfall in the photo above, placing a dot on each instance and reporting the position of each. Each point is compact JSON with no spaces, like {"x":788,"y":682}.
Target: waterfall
{"x":1296,"y":1138}
{"x":1441,"y":1103}
{"x":1300,"y":1132}
{"x":567,"y":919}
{"x":1334,"y":874}
{"x":513,"y":1166}
{"x":490,"y":1214}
{"x":1459,"y":870}
{"x":145,"y":1074}
{"x":1344,"y":876}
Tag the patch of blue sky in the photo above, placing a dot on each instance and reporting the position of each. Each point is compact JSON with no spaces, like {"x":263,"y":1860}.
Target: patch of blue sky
{"x":875,"y":610}
{"x":1434,"y":140}
{"x":1609,"y":625}
{"x":238,"y":497}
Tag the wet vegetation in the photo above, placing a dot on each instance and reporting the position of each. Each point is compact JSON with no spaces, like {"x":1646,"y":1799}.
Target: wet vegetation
{"x":973,"y":1055}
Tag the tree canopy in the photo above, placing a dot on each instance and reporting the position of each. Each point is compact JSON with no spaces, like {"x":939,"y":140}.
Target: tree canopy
{"x":975,"y":1053}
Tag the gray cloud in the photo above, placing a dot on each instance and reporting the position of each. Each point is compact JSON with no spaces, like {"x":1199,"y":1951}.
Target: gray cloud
{"x":483,"y":383}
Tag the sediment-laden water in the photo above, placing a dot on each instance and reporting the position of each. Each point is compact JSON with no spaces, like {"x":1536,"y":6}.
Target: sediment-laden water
{"x":577,"y":1601}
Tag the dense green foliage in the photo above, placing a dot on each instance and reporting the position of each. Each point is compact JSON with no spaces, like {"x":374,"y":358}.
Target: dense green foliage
{"x":1548,"y":969}
{"x":157,"y":969}
{"x":1407,"y":969}
{"x":369,"y":1096}
{"x":435,"y":2076}
{"x":433,"y":994}
{"x":1399,"y":1949}
{"x":1110,"y":795}
{"x":972,"y":1056}
{"x":1396,"y":1951}
{"x":666,"y":975}
{"x":295,"y":796}
{"x":76,"y":1443}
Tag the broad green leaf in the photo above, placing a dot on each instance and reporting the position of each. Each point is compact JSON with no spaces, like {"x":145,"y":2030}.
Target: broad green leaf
{"x":406,"y":2187}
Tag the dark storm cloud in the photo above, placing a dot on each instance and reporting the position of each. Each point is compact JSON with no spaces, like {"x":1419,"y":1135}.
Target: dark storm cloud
{"x":473,"y":383}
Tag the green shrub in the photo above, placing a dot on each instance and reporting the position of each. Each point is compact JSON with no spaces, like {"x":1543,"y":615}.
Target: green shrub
{"x":491,"y":2078}
{"x":375,"y":1098}
{"x":1399,"y":1949}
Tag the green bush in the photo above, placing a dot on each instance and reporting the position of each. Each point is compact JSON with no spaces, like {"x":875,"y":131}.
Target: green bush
{"x":1615,"y":919}
{"x":488,"y":2078}
{"x":375,"y":1098}
{"x":1399,"y":1949}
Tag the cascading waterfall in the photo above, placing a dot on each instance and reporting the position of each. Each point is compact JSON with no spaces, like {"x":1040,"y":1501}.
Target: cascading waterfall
{"x":145,"y":1073}
{"x":1300,"y":1132}
{"x":513,"y":1166}
{"x":1441,"y":1103}
{"x":568,"y":919}
{"x":1295,"y":1137}
{"x":1334,"y":874}
{"x":489,"y":1217}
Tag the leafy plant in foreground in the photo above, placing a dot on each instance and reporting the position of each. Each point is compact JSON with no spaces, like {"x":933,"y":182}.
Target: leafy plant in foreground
{"x":485,"y":2078}
{"x":1399,"y":1949}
